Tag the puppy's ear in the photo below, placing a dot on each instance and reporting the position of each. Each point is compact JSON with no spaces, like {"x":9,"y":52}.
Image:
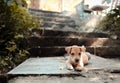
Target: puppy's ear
{"x":82,"y":48}
{"x":68,"y":49}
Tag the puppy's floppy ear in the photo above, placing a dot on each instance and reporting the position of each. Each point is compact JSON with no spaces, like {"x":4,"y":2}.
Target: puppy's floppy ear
{"x":82,"y":48}
{"x":68,"y":49}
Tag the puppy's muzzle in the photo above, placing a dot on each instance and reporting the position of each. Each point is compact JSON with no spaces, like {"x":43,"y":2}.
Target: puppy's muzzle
{"x":76,"y":60}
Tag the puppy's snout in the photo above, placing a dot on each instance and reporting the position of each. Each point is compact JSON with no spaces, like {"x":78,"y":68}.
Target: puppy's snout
{"x":76,"y":60}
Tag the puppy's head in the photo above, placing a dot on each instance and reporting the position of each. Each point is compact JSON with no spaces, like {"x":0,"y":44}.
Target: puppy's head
{"x":75,"y":52}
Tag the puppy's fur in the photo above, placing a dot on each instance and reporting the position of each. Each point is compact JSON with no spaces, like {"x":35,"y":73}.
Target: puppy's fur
{"x":77,"y":57}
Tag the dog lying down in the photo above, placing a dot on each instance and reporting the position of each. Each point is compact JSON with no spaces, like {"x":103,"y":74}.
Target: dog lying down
{"x":77,"y":57}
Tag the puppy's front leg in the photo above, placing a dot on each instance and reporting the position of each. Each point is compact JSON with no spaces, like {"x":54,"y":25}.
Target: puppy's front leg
{"x":69,"y":66}
{"x":79,"y":67}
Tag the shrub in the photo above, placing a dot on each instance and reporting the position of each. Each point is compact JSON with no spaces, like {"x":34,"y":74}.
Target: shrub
{"x":111,"y":22}
{"x":15,"y":25}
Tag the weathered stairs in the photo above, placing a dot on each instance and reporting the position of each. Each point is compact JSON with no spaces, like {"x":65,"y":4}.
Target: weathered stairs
{"x":52,"y":42}
{"x":53,"y":20}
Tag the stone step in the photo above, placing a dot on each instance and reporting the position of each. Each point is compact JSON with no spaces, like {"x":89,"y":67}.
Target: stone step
{"x":51,"y":25}
{"x":47,"y":13}
{"x":53,"y":69}
{"x":56,"y":19}
{"x":68,"y":41}
{"x":103,"y":51}
{"x":44,"y":11}
{"x":40,"y":15}
{"x":58,"y":33}
{"x":53,"y":18}
{"x":58,"y":24}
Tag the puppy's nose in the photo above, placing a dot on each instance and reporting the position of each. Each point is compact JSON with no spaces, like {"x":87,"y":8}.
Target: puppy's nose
{"x":76,"y":60}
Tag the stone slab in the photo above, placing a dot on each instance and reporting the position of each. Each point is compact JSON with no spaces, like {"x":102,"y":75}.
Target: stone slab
{"x":48,"y":65}
{"x":56,"y":66}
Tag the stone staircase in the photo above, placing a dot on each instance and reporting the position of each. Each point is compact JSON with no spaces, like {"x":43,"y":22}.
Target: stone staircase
{"x":53,"y":20}
{"x":52,"y":43}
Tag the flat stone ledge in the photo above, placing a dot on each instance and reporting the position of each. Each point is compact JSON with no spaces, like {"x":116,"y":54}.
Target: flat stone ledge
{"x":56,"y":66}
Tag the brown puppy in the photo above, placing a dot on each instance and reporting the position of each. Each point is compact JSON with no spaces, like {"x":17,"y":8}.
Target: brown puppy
{"x":77,"y":57}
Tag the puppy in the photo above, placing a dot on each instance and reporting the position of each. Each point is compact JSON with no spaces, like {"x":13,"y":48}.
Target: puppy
{"x":77,"y":57}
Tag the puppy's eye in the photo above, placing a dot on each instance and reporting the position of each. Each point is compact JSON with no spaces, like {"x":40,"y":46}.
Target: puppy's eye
{"x":72,"y":53}
{"x":79,"y":53}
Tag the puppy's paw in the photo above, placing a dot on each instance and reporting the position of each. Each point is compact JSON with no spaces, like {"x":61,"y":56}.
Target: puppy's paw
{"x":79,"y":68}
{"x":70,"y":68}
{"x":85,"y":69}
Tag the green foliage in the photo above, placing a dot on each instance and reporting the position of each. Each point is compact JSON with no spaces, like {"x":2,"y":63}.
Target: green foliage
{"x":17,"y":2}
{"x":111,"y":22}
{"x":15,"y":25}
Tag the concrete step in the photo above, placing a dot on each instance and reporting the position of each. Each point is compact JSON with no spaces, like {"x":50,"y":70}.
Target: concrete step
{"x":53,"y":18}
{"x":68,"y":41}
{"x":51,"y":25}
{"x":103,"y":51}
{"x":50,"y":69}
{"x":58,"y":24}
{"x":58,"y":33}
{"x":61,"y":22}
{"x":47,"y":13}
{"x":56,"y":19}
